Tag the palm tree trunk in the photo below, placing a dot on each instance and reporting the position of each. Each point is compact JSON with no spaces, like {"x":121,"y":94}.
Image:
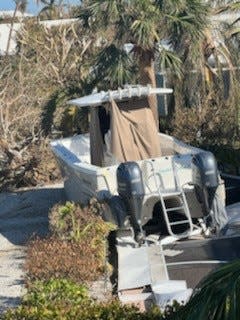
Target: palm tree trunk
{"x":11,"y":27}
{"x":147,"y":77}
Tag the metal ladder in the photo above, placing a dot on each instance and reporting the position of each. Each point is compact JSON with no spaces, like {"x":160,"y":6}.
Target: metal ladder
{"x":165,"y":194}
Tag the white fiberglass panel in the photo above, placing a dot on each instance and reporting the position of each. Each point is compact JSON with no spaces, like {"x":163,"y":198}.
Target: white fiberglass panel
{"x":74,"y":149}
{"x":171,"y":146}
{"x":164,"y":172}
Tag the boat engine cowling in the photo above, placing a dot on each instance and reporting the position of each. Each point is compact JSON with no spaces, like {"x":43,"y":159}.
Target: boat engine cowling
{"x":205,"y":171}
{"x":206,"y":181}
{"x":205,"y":178}
{"x":131,"y":190}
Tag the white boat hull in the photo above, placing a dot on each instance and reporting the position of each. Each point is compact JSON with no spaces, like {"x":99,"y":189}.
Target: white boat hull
{"x":82,"y":180}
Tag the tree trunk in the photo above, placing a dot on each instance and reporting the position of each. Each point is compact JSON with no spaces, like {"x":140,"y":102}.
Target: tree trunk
{"x":147,"y":76}
{"x":11,"y":28}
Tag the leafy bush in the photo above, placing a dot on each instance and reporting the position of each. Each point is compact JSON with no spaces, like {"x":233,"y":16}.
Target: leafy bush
{"x":87,"y":310}
{"x":53,"y":291}
{"x":213,"y":127}
{"x":65,"y":300}
{"x":51,"y":65}
{"x":73,"y":222}
{"x":77,"y":248}
{"x":213,"y":124}
{"x":55,"y":258}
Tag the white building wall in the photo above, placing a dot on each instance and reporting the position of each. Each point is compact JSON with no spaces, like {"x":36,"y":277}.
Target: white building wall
{"x":5,"y":29}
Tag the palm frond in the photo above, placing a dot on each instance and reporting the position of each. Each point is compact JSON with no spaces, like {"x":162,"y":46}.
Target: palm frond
{"x":22,"y":5}
{"x":185,"y":20}
{"x":216,"y":297}
{"x":106,"y":11}
{"x":114,"y":66}
{"x":85,"y":16}
{"x":230,"y":6}
{"x":168,"y":60}
{"x":223,"y":50}
{"x":144,"y":34}
{"x":145,"y":22}
{"x":232,"y":32}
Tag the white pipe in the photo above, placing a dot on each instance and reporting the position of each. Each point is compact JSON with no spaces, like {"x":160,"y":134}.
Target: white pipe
{"x":196,"y":262}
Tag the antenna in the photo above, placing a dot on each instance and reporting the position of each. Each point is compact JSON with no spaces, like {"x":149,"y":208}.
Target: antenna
{"x":120,"y":92}
{"x":130,"y":92}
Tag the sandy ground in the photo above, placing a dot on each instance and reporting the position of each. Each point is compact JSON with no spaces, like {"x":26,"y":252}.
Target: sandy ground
{"x":22,"y":216}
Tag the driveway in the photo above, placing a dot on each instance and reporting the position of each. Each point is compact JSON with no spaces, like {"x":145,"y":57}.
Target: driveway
{"x":23,"y":215}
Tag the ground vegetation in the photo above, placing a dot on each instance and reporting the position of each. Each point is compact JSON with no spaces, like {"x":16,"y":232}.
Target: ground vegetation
{"x":61,"y":268}
{"x":76,"y":248}
{"x":206,"y":108}
{"x":51,"y":65}
{"x":58,"y":279}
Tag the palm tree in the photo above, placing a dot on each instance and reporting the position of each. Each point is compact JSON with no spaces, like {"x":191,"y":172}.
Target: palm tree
{"x":51,"y":9}
{"x":216,"y":297}
{"x":20,"y":5}
{"x":204,"y":80}
{"x":144,"y":24}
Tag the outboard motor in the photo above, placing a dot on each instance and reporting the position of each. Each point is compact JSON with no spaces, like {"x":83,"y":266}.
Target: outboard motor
{"x":205,"y":177}
{"x":206,"y":182}
{"x":131,"y":190}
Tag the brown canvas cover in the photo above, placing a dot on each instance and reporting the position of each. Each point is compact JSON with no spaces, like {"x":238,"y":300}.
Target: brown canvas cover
{"x":134,"y":133}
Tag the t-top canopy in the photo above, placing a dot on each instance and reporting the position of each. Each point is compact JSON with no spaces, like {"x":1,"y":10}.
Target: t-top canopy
{"x":127,"y":93}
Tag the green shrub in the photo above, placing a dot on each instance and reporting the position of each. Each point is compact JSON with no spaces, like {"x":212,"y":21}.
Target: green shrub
{"x":53,"y":291}
{"x":65,"y":300}
{"x":87,"y":310}
{"x":73,"y":222}
{"x":77,"y":248}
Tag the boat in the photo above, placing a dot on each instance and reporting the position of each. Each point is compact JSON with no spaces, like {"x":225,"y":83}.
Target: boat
{"x":166,"y":197}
